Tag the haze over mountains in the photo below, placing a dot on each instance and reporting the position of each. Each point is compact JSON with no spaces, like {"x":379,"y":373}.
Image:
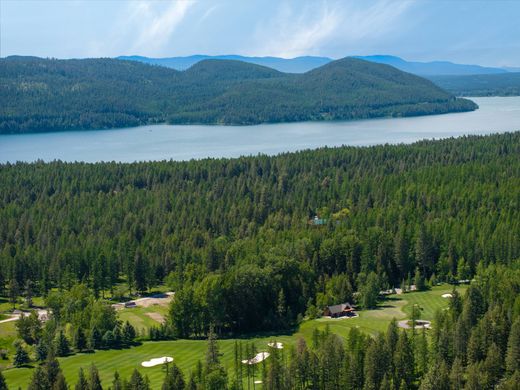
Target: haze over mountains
{"x":49,"y":94}
{"x":306,"y":63}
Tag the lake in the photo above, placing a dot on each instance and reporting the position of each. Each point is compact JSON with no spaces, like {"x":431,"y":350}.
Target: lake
{"x":180,"y":142}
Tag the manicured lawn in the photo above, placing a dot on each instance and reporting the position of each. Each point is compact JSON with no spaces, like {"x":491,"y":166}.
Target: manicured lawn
{"x":187,"y":352}
{"x":139,"y":319}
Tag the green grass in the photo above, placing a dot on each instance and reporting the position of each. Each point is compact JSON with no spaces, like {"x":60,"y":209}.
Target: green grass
{"x":138,"y":318}
{"x":187,"y":352}
{"x":7,"y":337}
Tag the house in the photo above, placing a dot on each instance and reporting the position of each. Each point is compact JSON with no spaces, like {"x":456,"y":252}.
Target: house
{"x":342,"y":310}
{"x":317,"y":221}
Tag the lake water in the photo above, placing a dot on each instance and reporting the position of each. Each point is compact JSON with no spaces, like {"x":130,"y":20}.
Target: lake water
{"x":160,"y":142}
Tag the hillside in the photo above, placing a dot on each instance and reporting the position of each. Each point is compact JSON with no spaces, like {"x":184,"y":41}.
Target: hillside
{"x":433,"y":67}
{"x":504,"y":84}
{"x":49,"y":94}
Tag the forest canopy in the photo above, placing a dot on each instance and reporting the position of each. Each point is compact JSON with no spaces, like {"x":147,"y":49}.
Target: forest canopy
{"x":236,"y":238}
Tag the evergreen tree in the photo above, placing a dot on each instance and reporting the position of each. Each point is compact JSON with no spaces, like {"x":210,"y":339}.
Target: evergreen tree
{"x":140,"y":272}
{"x":128,"y":333}
{"x":513,"y":348}
{"x":94,"y":382}
{"x":404,"y":361}
{"x":370,"y":291}
{"x":13,"y":292}
{"x":117,"y":383}
{"x":61,"y":344}
{"x":60,"y":383}
{"x":80,"y":340}
{"x":52,"y":368}
{"x":82,"y":383}
{"x":39,"y":380}
{"x":21,"y":357}
{"x":41,"y":351}
{"x":457,"y":374}
{"x":28,"y":293}
{"x":95,"y":340}
{"x":174,"y":379}
{"x":137,"y":382}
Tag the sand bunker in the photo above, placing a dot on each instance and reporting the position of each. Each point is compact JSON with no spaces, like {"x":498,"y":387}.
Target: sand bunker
{"x":157,"y":361}
{"x":258,"y":382}
{"x":261,"y":356}
{"x":419,"y":324}
{"x":447,"y":295}
{"x":275,"y":345}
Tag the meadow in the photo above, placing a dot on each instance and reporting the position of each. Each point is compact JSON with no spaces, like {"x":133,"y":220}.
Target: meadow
{"x":187,"y":353}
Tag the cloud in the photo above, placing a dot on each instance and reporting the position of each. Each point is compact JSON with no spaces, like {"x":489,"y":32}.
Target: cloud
{"x":297,"y":30}
{"x":158,"y":25}
{"x":143,"y":27}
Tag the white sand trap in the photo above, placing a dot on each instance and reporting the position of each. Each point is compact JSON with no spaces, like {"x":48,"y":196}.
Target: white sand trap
{"x":258,"y":382}
{"x":261,"y":356}
{"x":275,"y":345}
{"x":447,"y":295}
{"x":157,"y":361}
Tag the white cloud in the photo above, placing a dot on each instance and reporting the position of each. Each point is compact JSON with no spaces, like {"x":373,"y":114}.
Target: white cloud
{"x":302,"y":30}
{"x":143,"y":27}
{"x":157,"y":25}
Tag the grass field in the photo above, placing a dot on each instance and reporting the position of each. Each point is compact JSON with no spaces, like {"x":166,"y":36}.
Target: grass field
{"x":187,"y":352}
{"x":139,"y":319}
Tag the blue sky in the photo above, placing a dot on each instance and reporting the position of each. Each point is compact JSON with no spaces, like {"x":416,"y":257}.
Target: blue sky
{"x":465,"y":31}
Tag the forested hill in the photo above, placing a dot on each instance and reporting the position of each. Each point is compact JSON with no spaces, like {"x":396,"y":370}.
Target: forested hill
{"x":504,"y":84}
{"x":47,"y":94}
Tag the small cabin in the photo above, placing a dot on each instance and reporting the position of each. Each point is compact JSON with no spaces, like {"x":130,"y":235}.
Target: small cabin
{"x":317,"y":221}
{"x":336,"y":311}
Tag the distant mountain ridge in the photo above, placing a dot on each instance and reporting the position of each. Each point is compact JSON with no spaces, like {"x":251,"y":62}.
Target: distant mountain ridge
{"x":48,"y":94}
{"x":291,"y":65}
{"x":307,"y":63}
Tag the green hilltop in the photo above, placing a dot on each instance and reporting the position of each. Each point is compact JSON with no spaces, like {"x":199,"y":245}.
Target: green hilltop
{"x":49,"y":94}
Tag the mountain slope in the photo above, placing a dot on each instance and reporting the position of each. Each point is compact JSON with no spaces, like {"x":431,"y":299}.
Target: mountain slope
{"x":433,"y":67}
{"x":503,"y":84}
{"x":44,"y":94}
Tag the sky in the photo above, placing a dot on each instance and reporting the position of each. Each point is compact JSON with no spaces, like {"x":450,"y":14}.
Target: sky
{"x":463,"y":31}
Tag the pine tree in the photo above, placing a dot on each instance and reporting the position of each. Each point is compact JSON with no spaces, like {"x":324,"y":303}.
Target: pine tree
{"x":457,"y":374}
{"x":60,"y":383}
{"x":41,"y":351}
{"x":137,"y":382}
{"x":61,"y":344}
{"x":404,"y":361}
{"x":52,"y":368}
{"x":140,"y":272}
{"x":174,"y":379}
{"x":95,"y":339}
{"x":94,"y":382}
{"x":13,"y":292}
{"x":80,"y":340}
{"x":513,"y":348}
{"x":117,"y":384}
{"x":28,"y":293}
{"x":493,"y":365}
{"x":128,"y":333}
{"x":39,"y":380}
{"x":21,"y":357}
{"x":82,"y":383}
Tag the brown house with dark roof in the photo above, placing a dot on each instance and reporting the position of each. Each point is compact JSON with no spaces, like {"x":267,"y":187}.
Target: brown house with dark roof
{"x":342,"y":310}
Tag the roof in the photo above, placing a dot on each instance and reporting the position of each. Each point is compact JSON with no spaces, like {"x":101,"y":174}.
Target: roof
{"x":339,"y":308}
